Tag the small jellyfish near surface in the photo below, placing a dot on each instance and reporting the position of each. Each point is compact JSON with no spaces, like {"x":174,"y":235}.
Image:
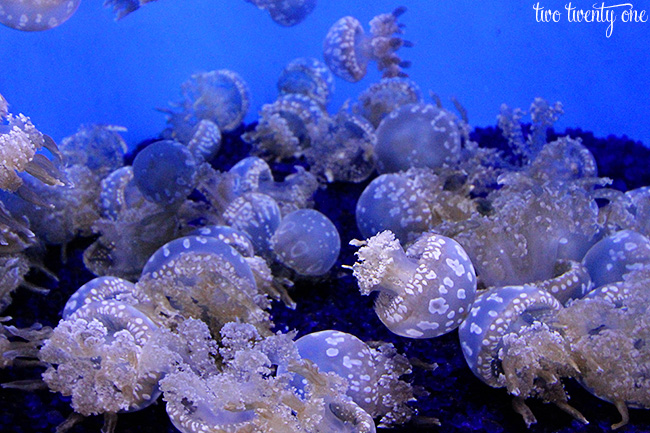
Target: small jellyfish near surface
{"x":286,"y":12}
{"x":307,"y":242}
{"x":348,"y":49}
{"x":36,"y":15}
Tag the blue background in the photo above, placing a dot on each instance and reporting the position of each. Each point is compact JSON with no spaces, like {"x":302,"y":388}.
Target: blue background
{"x":94,"y":70}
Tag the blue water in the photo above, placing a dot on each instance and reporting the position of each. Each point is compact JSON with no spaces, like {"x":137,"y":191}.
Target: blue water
{"x":94,"y":70}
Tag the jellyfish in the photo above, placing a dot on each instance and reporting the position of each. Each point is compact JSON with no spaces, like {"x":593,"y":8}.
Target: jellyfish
{"x":122,"y":8}
{"x":286,"y":12}
{"x":348,"y":49}
{"x":425,"y":291}
{"x":307,"y":242}
{"x":347,"y":153}
{"x":417,"y":135}
{"x":381,"y":98}
{"x":100,"y":356}
{"x":36,"y":15}
{"x":288,"y":127}
{"x":373,"y":373}
{"x":393,"y":202}
{"x":307,"y":76}
{"x":165,"y":172}
{"x":221,"y":96}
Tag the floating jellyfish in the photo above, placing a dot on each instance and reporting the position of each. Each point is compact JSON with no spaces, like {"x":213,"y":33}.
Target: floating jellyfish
{"x":165,"y":172}
{"x":424,"y":292}
{"x":307,"y":76}
{"x":205,"y":141}
{"x":288,"y":126}
{"x":347,"y":154}
{"x":373,"y":374}
{"x":381,"y":98}
{"x":103,"y":289}
{"x":99,"y":147}
{"x":307,"y":242}
{"x":286,"y":12}
{"x":99,"y":357}
{"x":221,"y":96}
{"x":348,"y":49}
{"x":122,"y":8}
{"x":417,"y":135}
{"x":393,"y":202}
{"x":507,"y":343}
{"x":36,"y":15}
{"x":612,"y":257}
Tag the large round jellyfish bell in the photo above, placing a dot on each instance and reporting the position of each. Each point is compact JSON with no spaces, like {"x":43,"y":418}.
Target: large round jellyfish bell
{"x":424,"y":292}
{"x":36,"y":15}
{"x":307,"y":242}
{"x":164,"y":172}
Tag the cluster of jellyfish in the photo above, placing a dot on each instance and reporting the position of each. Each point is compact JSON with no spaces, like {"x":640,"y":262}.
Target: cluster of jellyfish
{"x":541,"y":268}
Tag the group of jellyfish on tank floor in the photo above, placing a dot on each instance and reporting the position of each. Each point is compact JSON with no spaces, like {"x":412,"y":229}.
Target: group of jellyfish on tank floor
{"x":219,"y":274}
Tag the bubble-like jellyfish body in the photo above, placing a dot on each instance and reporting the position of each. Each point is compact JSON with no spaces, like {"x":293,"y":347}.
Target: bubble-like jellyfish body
{"x":98,"y":147}
{"x":221,"y":96}
{"x":612,"y":257}
{"x":381,"y":98}
{"x":393,"y":202}
{"x":417,"y":135}
{"x":286,"y":12}
{"x":571,"y":281}
{"x":102,"y":289}
{"x":257,"y":215}
{"x":423,"y":292}
{"x":97,"y":356}
{"x":36,"y":15}
{"x":507,"y":342}
{"x":348,"y":49}
{"x":372,"y":374}
{"x":347,"y":154}
{"x":309,"y":77}
{"x":165,"y":172}
{"x":288,"y":126}
{"x":307,"y":242}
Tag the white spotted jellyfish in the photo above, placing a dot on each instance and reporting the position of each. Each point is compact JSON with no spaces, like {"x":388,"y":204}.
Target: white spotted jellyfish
{"x":348,"y":49}
{"x":307,"y":242}
{"x":381,"y":98}
{"x":165,"y":172}
{"x":309,"y":77}
{"x":417,"y":135}
{"x":509,"y":340}
{"x":394,"y":202}
{"x":36,"y":15}
{"x":425,"y":291}
{"x":615,"y":255}
{"x":98,"y":356}
{"x":372,"y":375}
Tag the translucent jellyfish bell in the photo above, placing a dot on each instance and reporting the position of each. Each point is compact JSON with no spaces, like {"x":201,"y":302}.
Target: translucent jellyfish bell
{"x":307,"y":242}
{"x":417,"y":135}
{"x":348,"y":49}
{"x":36,"y":15}
{"x":309,"y":77}
{"x":165,"y":172}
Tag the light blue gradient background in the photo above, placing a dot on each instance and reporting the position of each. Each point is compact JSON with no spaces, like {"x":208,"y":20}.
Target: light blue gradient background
{"x":94,"y":70}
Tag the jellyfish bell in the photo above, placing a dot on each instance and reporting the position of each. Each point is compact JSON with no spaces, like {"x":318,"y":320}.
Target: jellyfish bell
{"x":36,"y":15}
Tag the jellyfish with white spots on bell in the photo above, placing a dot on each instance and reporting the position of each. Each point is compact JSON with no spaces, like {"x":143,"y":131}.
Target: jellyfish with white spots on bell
{"x":417,"y":135}
{"x":348,"y":49}
{"x":425,"y":291}
{"x":36,"y":15}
